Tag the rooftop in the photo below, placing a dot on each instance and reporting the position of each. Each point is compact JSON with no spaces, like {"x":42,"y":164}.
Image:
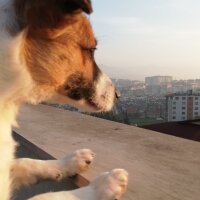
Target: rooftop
{"x":160,"y":166}
{"x":196,"y":94}
{"x":185,"y":129}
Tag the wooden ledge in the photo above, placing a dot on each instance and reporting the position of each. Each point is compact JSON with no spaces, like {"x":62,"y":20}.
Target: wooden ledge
{"x":160,"y":166}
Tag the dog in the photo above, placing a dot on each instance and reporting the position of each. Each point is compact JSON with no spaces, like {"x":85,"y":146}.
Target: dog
{"x":47,"y":52}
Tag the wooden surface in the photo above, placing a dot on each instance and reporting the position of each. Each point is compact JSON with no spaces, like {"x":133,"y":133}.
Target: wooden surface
{"x":161,"y":167}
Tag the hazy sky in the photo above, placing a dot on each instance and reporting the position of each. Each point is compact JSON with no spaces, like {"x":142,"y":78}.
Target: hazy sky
{"x":139,"y":38}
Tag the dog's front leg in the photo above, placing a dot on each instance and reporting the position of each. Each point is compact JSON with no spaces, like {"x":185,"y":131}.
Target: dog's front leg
{"x":7,"y":147}
{"x":26,"y":172}
{"x":108,"y":186}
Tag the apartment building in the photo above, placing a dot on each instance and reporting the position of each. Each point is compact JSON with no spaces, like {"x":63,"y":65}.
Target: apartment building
{"x":158,"y":80}
{"x":183,"y":106}
{"x":158,"y":85}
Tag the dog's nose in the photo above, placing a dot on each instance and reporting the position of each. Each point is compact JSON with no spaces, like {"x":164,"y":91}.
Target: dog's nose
{"x":88,"y":162}
{"x":117,"y":93}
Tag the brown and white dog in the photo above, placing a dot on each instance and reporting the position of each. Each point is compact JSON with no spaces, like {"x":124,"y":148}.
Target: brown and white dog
{"x":47,"y":53}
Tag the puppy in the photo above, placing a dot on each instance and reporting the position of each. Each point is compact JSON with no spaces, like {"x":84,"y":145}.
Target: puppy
{"x":46,"y":53}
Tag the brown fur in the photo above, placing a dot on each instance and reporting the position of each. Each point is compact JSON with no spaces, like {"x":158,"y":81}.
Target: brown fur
{"x":57,"y":47}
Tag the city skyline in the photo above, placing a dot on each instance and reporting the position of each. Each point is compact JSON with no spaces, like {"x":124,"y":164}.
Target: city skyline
{"x":143,"y":80}
{"x":145,"y":38}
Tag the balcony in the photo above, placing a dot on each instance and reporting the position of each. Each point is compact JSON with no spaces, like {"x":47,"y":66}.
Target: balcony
{"x":160,"y":166}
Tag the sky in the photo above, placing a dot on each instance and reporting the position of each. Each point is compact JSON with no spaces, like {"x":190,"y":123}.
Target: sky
{"x":139,"y":38}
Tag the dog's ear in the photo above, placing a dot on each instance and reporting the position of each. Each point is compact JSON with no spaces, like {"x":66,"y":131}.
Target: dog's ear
{"x":48,"y":13}
{"x":73,"y":5}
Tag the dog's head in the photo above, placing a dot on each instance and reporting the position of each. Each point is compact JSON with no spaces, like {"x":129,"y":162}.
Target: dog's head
{"x":58,"y":49}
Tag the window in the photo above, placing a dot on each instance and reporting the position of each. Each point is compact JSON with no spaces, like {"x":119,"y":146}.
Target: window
{"x":183,"y":113}
{"x":196,"y":108}
{"x":183,"y":118}
{"x":183,"y":103}
{"x":183,"y":98}
{"x":177,"y":98}
{"x":197,"y":103}
{"x":196,"y":98}
{"x":174,"y":108}
{"x":196,"y":113}
{"x":173,"y":117}
{"x":174,"y":102}
{"x":183,"y":108}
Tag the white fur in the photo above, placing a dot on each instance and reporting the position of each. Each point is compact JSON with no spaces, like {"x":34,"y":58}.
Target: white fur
{"x":103,"y":98}
{"x":11,"y":91}
{"x":9,"y":86}
{"x":13,"y":86}
{"x":105,"y":93}
{"x":40,"y":170}
{"x":108,"y":186}
{"x":7,"y":147}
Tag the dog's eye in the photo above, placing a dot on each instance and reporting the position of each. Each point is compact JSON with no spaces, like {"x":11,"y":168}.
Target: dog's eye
{"x":90,"y":51}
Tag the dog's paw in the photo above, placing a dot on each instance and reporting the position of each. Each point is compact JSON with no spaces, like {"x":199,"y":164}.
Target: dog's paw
{"x":111,"y":185}
{"x":118,"y":181}
{"x":77,"y":162}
